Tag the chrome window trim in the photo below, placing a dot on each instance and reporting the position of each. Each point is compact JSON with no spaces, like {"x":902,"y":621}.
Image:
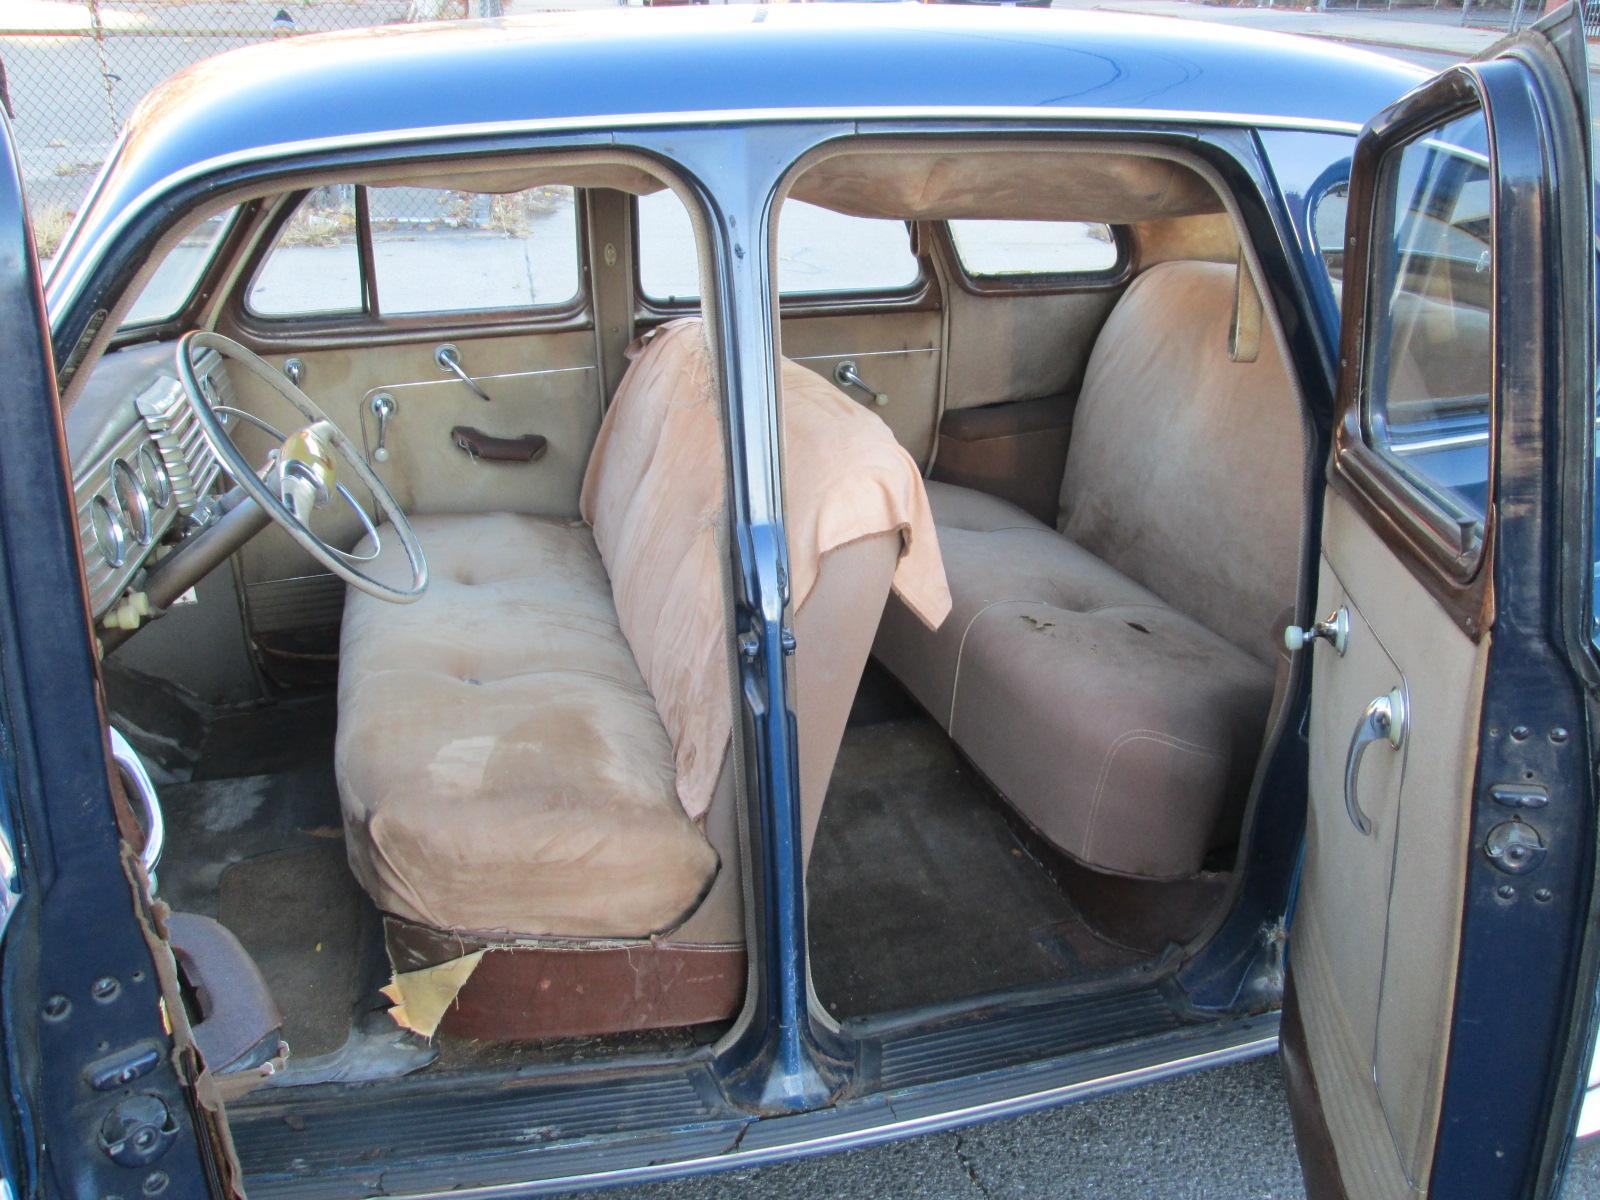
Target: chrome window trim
{"x":61,"y":297}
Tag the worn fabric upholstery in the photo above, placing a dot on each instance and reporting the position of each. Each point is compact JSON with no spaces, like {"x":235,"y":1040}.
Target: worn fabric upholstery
{"x":500,"y":762}
{"x":1114,"y":683}
{"x":534,"y":747}
{"x":654,"y":493}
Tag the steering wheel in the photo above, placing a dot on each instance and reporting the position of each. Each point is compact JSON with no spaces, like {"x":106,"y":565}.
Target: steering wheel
{"x":301,"y":474}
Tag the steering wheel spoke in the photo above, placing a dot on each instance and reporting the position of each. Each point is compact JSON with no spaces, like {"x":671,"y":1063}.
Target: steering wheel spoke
{"x":303,"y":472}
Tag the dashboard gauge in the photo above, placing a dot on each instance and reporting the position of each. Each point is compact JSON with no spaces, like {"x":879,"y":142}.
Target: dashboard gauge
{"x":133,"y":502}
{"x":110,"y":531}
{"x":153,"y":475}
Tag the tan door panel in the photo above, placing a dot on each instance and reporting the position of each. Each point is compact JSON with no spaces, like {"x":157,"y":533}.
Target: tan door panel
{"x":1380,"y":1063}
{"x":896,"y":353}
{"x":542,"y":384}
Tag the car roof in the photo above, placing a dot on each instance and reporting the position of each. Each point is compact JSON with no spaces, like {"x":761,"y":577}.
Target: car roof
{"x":614,"y":67}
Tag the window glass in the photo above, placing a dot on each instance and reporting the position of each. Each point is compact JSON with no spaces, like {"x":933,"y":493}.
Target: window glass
{"x":1327,"y":229}
{"x":1020,"y":249}
{"x":174,"y":281}
{"x":819,"y":251}
{"x":1430,"y":345}
{"x":442,"y":251}
{"x":314,"y":266}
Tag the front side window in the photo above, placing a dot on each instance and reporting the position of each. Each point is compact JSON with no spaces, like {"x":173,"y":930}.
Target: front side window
{"x":1428,"y":374}
{"x":435,"y":250}
{"x":1035,"y":251}
{"x":314,"y":267}
{"x":820,"y":252}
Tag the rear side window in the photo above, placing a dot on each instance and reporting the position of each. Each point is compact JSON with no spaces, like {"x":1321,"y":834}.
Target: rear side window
{"x":434,"y":251}
{"x":820,"y":252}
{"x":1430,"y":350}
{"x":1035,"y":250}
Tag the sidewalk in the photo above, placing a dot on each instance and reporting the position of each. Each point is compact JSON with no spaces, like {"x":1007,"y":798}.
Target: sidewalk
{"x":1365,"y":28}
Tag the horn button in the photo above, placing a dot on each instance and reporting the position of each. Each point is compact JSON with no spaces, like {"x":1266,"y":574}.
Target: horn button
{"x":306,"y":476}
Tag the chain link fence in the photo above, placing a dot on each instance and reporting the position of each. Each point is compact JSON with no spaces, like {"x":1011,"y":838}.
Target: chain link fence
{"x":74,"y":69}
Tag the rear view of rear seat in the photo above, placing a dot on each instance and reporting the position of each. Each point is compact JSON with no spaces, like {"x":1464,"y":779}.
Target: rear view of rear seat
{"x":1113,"y":679}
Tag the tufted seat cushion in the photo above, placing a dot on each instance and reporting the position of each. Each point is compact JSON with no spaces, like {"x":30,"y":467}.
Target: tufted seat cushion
{"x":538,"y":747}
{"x":500,"y":760}
{"x":1113,"y":680}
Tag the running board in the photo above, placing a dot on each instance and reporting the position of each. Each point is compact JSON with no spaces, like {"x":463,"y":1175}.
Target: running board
{"x":488,"y":1139}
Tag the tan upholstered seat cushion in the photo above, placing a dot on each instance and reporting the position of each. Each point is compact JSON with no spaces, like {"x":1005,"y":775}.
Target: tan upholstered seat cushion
{"x":533,"y":748}
{"x":1114,"y":683}
{"x":500,"y":761}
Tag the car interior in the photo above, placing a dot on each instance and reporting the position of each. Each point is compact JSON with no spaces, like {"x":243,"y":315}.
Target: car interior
{"x":1045,"y":466}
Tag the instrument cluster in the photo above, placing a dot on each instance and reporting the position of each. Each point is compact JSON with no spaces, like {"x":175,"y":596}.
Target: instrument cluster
{"x":132,"y":494}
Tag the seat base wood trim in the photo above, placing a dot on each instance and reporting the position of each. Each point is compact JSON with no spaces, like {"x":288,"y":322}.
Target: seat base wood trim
{"x":528,"y":992}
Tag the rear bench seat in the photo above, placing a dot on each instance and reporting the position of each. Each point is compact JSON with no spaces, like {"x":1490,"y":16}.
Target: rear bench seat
{"x":1112,"y":679}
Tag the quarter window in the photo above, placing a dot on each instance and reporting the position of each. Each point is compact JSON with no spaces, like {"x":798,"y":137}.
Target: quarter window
{"x":173,"y":282}
{"x":1429,"y":369}
{"x":1034,"y":250}
{"x":820,"y":252}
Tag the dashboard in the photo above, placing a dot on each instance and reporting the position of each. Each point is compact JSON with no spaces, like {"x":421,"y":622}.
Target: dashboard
{"x":141,"y":468}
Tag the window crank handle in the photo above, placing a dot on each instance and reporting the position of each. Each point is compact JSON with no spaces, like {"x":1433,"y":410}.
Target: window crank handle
{"x":846,"y":375}
{"x":383,"y":407}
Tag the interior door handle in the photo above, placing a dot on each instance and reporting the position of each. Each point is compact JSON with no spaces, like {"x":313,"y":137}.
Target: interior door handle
{"x":1386,"y":720}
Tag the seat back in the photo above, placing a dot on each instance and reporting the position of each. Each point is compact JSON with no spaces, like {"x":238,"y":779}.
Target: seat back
{"x":655,"y":495}
{"x":1186,"y":468}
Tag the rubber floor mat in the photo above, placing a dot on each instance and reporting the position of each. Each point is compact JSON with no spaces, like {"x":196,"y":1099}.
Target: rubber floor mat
{"x":299,"y":913}
{"x":920,"y":891}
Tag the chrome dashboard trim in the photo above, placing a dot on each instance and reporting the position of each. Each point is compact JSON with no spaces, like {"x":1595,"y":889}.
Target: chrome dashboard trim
{"x":165,"y":432}
{"x":190,"y":463}
{"x":92,"y":485}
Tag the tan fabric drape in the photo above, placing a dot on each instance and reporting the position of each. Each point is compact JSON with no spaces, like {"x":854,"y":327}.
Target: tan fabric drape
{"x":655,"y":495}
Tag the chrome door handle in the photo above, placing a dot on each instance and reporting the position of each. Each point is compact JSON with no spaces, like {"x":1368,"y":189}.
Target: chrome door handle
{"x":449,"y":359}
{"x":144,"y":794}
{"x":1386,"y":720}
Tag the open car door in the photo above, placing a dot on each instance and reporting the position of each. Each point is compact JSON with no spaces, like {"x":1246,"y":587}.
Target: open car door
{"x":100,"y":1099}
{"x":1435,"y":1023}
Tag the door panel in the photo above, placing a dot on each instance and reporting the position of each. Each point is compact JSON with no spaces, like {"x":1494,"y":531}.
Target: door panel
{"x":1439,"y":984}
{"x":897,"y":354}
{"x":544,"y":384}
{"x":1375,"y":946}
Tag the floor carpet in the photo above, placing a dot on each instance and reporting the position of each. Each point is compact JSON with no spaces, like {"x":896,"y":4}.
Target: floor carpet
{"x":264,"y":854}
{"x":920,"y":890}
{"x":299,"y":914}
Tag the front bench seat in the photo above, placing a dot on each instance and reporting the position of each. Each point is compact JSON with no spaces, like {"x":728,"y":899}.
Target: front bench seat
{"x":501,"y":764}
{"x":533,"y":757}
{"x":1112,"y":680}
